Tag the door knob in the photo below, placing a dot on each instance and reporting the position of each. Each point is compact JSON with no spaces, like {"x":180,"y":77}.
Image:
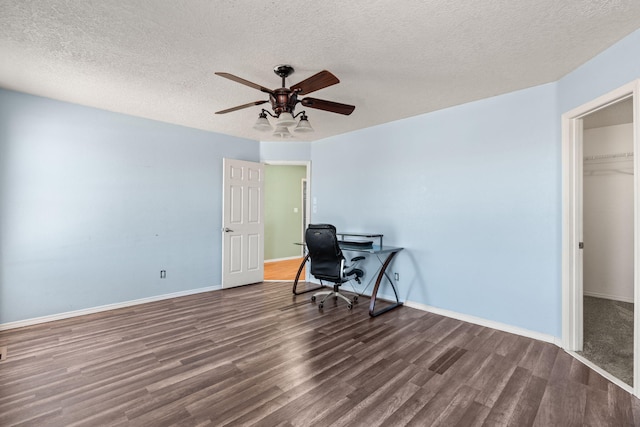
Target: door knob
{"x":228,"y":230}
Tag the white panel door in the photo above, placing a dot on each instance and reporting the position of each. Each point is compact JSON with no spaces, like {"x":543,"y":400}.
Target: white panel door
{"x":242,"y":223}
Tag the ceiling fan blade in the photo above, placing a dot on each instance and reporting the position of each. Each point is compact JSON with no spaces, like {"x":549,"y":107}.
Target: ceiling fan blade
{"x":316,"y":82}
{"x":245,"y":82}
{"x":334,"y":107}
{"x":240,"y":107}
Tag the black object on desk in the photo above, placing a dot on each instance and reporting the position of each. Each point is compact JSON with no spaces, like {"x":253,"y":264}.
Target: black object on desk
{"x":374,"y":249}
{"x":356,"y":244}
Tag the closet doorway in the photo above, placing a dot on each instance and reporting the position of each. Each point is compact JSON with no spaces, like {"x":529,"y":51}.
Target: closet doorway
{"x":608,"y":206}
{"x":600,"y":232}
{"x":286,"y":216}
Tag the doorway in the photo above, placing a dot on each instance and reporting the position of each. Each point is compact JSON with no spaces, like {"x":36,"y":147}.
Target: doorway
{"x":286,"y":216}
{"x":600,"y":234}
{"x":608,"y":205}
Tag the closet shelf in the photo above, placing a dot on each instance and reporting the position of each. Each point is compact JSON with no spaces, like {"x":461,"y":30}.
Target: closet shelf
{"x":608,"y":156}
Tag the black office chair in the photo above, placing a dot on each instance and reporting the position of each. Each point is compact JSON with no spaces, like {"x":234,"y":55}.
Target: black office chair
{"x":328,"y":263}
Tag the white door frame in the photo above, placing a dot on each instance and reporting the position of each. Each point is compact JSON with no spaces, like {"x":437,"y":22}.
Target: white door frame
{"x":304,"y":195}
{"x":572,"y":284}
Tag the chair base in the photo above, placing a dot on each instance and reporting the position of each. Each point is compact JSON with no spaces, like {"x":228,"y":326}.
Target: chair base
{"x":334,"y":293}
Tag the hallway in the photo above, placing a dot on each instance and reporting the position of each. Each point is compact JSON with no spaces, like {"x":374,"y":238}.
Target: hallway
{"x":283,"y":270}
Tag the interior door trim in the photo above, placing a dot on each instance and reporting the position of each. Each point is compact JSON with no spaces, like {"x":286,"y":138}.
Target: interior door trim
{"x":572,"y":223}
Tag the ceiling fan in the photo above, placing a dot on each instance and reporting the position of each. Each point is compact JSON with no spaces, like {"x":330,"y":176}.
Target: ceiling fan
{"x":284,"y":100}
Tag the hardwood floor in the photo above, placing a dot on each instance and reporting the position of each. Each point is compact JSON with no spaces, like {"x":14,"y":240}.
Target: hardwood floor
{"x":257,"y":355}
{"x":283,"y":270}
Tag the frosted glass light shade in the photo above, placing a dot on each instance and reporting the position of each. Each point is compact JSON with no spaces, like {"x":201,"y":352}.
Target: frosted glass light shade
{"x":262,"y":124}
{"x":282,"y":132}
{"x":303,"y":127}
{"x":285,"y":119}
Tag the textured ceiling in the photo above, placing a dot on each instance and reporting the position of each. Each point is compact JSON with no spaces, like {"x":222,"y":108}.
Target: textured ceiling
{"x":395,"y":59}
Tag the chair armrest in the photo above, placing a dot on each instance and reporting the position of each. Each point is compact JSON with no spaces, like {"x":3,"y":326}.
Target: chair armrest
{"x":358,"y":258}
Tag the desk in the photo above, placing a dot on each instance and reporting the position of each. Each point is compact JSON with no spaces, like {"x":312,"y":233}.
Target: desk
{"x":377,"y":250}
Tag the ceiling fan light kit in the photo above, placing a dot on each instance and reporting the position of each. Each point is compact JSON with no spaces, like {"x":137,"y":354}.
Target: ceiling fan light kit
{"x":283,"y":121}
{"x":284,"y":100}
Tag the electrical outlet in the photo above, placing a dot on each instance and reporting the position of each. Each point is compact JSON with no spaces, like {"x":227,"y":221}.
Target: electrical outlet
{"x":163,"y":274}
{"x":396,"y":276}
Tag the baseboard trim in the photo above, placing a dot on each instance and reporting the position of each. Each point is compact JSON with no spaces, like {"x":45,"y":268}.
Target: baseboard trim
{"x":488,"y":323}
{"x":475,"y":320}
{"x":98,"y":309}
{"x":607,"y":296}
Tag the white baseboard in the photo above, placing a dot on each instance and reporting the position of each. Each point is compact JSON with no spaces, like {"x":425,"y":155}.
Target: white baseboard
{"x":472,"y":319}
{"x":92,"y":310}
{"x":488,"y":323}
{"x":607,"y":296}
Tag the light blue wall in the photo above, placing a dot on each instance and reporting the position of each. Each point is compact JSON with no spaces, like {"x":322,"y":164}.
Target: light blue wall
{"x":611,"y":69}
{"x":471,"y":192}
{"x":94,"y":204}
{"x":285,"y":150}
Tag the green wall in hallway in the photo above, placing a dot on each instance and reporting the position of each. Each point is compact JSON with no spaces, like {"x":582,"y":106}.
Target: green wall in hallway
{"x":283,"y":226}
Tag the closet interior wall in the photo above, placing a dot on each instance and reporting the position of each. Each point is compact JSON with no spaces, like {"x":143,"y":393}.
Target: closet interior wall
{"x":608,"y":212}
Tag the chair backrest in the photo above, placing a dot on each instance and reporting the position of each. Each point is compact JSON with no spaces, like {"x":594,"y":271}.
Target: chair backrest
{"x":325,"y":253}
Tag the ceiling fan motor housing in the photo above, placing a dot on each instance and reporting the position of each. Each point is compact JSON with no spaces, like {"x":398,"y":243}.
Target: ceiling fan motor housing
{"x":283,"y":100}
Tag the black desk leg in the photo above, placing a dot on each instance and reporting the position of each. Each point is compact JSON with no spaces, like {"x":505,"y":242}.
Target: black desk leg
{"x":295,"y":282}
{"x":381,"y":275}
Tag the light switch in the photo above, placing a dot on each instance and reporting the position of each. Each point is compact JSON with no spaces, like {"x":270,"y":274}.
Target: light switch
{"x":295,"y":210}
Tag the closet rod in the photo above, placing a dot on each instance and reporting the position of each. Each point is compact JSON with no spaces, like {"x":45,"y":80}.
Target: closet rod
{"x":608,"y":156}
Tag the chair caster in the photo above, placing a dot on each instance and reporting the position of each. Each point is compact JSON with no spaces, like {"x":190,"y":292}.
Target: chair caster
{"x":320,"y":305}
{"x":313,"y":298}
{"x":355,"y":298}
{"x":349,"y":306}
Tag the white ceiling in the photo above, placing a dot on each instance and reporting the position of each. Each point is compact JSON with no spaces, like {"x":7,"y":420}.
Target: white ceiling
{"x":395,"y":59}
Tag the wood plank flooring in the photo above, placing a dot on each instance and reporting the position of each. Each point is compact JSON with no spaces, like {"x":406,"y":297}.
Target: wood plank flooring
{"x":283,"y":270}
{"x":257,"y":355}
